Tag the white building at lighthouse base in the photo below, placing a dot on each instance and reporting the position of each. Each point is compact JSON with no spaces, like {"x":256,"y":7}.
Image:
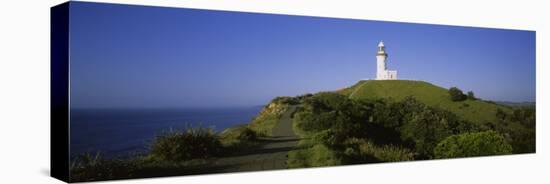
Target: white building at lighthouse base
{"x":387,"y":75}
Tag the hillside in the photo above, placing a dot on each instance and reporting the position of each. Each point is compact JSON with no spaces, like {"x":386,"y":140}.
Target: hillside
{"x":435,"y":96}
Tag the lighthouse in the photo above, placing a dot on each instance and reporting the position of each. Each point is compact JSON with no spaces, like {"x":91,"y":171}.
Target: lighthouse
{"x":382,"y":72}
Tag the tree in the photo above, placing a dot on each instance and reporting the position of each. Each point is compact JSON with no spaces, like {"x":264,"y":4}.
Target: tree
{"x":456,"y":94}
{"x":472,"y":144}
{"x":425,"y":128}
{"x":471,"y":95}
{"x":332,"y":111}
{"x":518,"y":128}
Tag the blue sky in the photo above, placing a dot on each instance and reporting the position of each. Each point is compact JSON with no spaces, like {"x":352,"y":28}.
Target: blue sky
{"x":152,"y":57}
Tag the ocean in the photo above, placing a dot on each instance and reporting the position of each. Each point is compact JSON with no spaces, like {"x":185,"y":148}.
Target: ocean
{"x":118,"y":133}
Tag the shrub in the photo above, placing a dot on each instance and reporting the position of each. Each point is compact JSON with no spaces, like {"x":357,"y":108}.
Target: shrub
{"x":315,"y":156}
{"x":362,"y":150}
{"x":237,"y":138}
{"x":457,"y":95}
{"x":331,"y":111}
{"x":286,"y":100}
{"x":472,"y":144}
{"x":518,"y":128}
{"x":93,"y":167}
{"x":192,"y":143}
{"x":331,"y":119}
{"x":500,"y":114}
{"x":308,"y":121}
{"x":471,"y":95}
{"x":426,"y":128}
{"x":241,"y":133}
{"x":329,"y":138}
{"x":303,"y":97}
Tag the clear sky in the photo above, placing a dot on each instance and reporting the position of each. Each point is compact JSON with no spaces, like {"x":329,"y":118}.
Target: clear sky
{"x":137,"y":56}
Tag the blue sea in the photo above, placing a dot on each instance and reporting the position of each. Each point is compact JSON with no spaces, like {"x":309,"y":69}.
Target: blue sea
{"x":124,"y":132}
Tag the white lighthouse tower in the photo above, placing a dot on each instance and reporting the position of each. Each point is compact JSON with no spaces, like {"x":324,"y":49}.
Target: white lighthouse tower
{"x":382,"y":73}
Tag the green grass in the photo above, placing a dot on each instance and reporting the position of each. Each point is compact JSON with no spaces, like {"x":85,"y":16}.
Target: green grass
{"x":316,"y":155}
{"x":311,"y":152}
{"x":395,"y":90}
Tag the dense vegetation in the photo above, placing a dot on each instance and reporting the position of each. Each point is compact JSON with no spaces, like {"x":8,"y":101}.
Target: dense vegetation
{"x":339,"y":130}
{"x":370,"y":122}
{"x":518,"y":128}
{"x":473,"y":144}
{"x":185,"y":145}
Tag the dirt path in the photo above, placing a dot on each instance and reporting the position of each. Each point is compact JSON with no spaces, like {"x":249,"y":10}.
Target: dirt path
{"x":272,"y":154}
{"x":357,"y":89}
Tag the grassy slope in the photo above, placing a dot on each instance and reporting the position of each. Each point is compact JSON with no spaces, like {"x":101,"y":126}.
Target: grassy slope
{"x":267,"y":119}
{"x":475,"y":110}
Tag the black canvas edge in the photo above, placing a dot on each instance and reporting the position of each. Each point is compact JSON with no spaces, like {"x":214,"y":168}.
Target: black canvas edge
{"x":59,"y":92}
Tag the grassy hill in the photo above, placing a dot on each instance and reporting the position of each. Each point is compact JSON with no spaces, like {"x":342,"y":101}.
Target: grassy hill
{"x":432,"y":95}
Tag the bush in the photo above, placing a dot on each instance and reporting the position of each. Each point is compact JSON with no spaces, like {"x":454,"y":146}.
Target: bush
{"x":93,"y":167}
{"x":457,"y":95}
{"x":238,"y":136}
{"x":286,"y":100}
{"x":330,"y":111}
{"x":241,"y":133}
{"x":472,"y":144}
{"x":425,"y":128}
{"x":330,"y":138}
{"x":192,"y":143}
{"x":316,"y":156}
{"x":519,"y":128}
{"x":367,"y":151}
{"x":302,"y":98}
{"x":332,"y":118}
{"x":471,"y":95}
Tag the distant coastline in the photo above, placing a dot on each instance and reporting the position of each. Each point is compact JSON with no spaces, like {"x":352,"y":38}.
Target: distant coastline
{"x":517,"y":104}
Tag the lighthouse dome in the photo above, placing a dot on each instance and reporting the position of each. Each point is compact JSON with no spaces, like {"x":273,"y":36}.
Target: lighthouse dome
{"x":381,"y":44}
